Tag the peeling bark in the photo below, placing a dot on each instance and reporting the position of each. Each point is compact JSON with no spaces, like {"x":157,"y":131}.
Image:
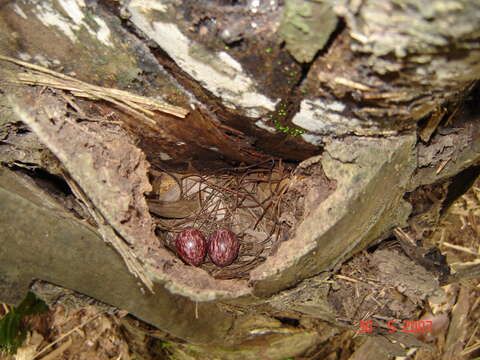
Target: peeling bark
{"x":374,"y":104}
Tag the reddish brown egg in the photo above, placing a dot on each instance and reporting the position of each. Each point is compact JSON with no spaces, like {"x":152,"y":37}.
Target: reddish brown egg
{"x":191,"y":246}
{"x":223,"y":247}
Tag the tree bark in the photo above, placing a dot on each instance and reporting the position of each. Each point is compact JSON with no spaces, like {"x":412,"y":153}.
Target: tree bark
{"x":371,"y":107}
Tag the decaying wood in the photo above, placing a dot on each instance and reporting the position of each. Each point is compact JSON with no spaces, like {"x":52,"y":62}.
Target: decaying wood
{"x":139,"y":106}
{"x":47,"y":124}
{"x":72,"y":253}
{"x":374,"y":121}
{"x":457,"y":330}
{"x":174,"y":209}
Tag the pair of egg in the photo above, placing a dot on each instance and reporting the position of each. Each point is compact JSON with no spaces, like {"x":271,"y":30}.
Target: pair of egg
{"x":222,"y":247}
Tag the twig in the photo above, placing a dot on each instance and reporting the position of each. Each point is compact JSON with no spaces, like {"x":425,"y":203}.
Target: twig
{"x":66,"y":334}
{"x":402,"y":235}
{"x":352,"y":84}
{"x":130,"y":102}
{"x":442,"y":165}
{"x":343,"y":277}
{"x":347,"y":278}
{"x":470,"y":349}
{"x":460,"y":248}
{"x":58,"y":351}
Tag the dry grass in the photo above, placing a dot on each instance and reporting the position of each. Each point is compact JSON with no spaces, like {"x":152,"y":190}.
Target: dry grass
{"x":87,"y":333}
{"x":139,"y":106}
{"x":458,"y":238}
{"x":247,"y":201}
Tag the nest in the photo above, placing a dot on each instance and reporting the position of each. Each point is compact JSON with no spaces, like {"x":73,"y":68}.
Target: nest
{"x":249,"y":201}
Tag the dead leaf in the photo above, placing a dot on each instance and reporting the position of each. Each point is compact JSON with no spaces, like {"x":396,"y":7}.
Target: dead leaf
{"x":174,"y":209}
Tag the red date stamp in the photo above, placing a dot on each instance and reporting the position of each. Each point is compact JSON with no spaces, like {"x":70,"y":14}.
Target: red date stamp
{"x":408,"y":326}
{"x":405,"y":326}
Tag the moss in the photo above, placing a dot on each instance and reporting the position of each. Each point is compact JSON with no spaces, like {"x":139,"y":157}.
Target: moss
{"x":282,"y":112}
{"x":12,"y":330}
{"x":306,"y":27}
{"x":287,"y":129}
{"x":126,"y":77}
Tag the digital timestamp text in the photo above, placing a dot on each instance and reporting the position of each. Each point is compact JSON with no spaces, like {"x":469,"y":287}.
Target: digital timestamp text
{"x":406,"y":326}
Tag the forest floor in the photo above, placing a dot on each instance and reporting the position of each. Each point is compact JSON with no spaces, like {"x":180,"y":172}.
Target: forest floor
{"x":81,"y":328}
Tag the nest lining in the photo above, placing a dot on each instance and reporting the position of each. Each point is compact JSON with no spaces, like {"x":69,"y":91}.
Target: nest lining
{"x":249,"y":201}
